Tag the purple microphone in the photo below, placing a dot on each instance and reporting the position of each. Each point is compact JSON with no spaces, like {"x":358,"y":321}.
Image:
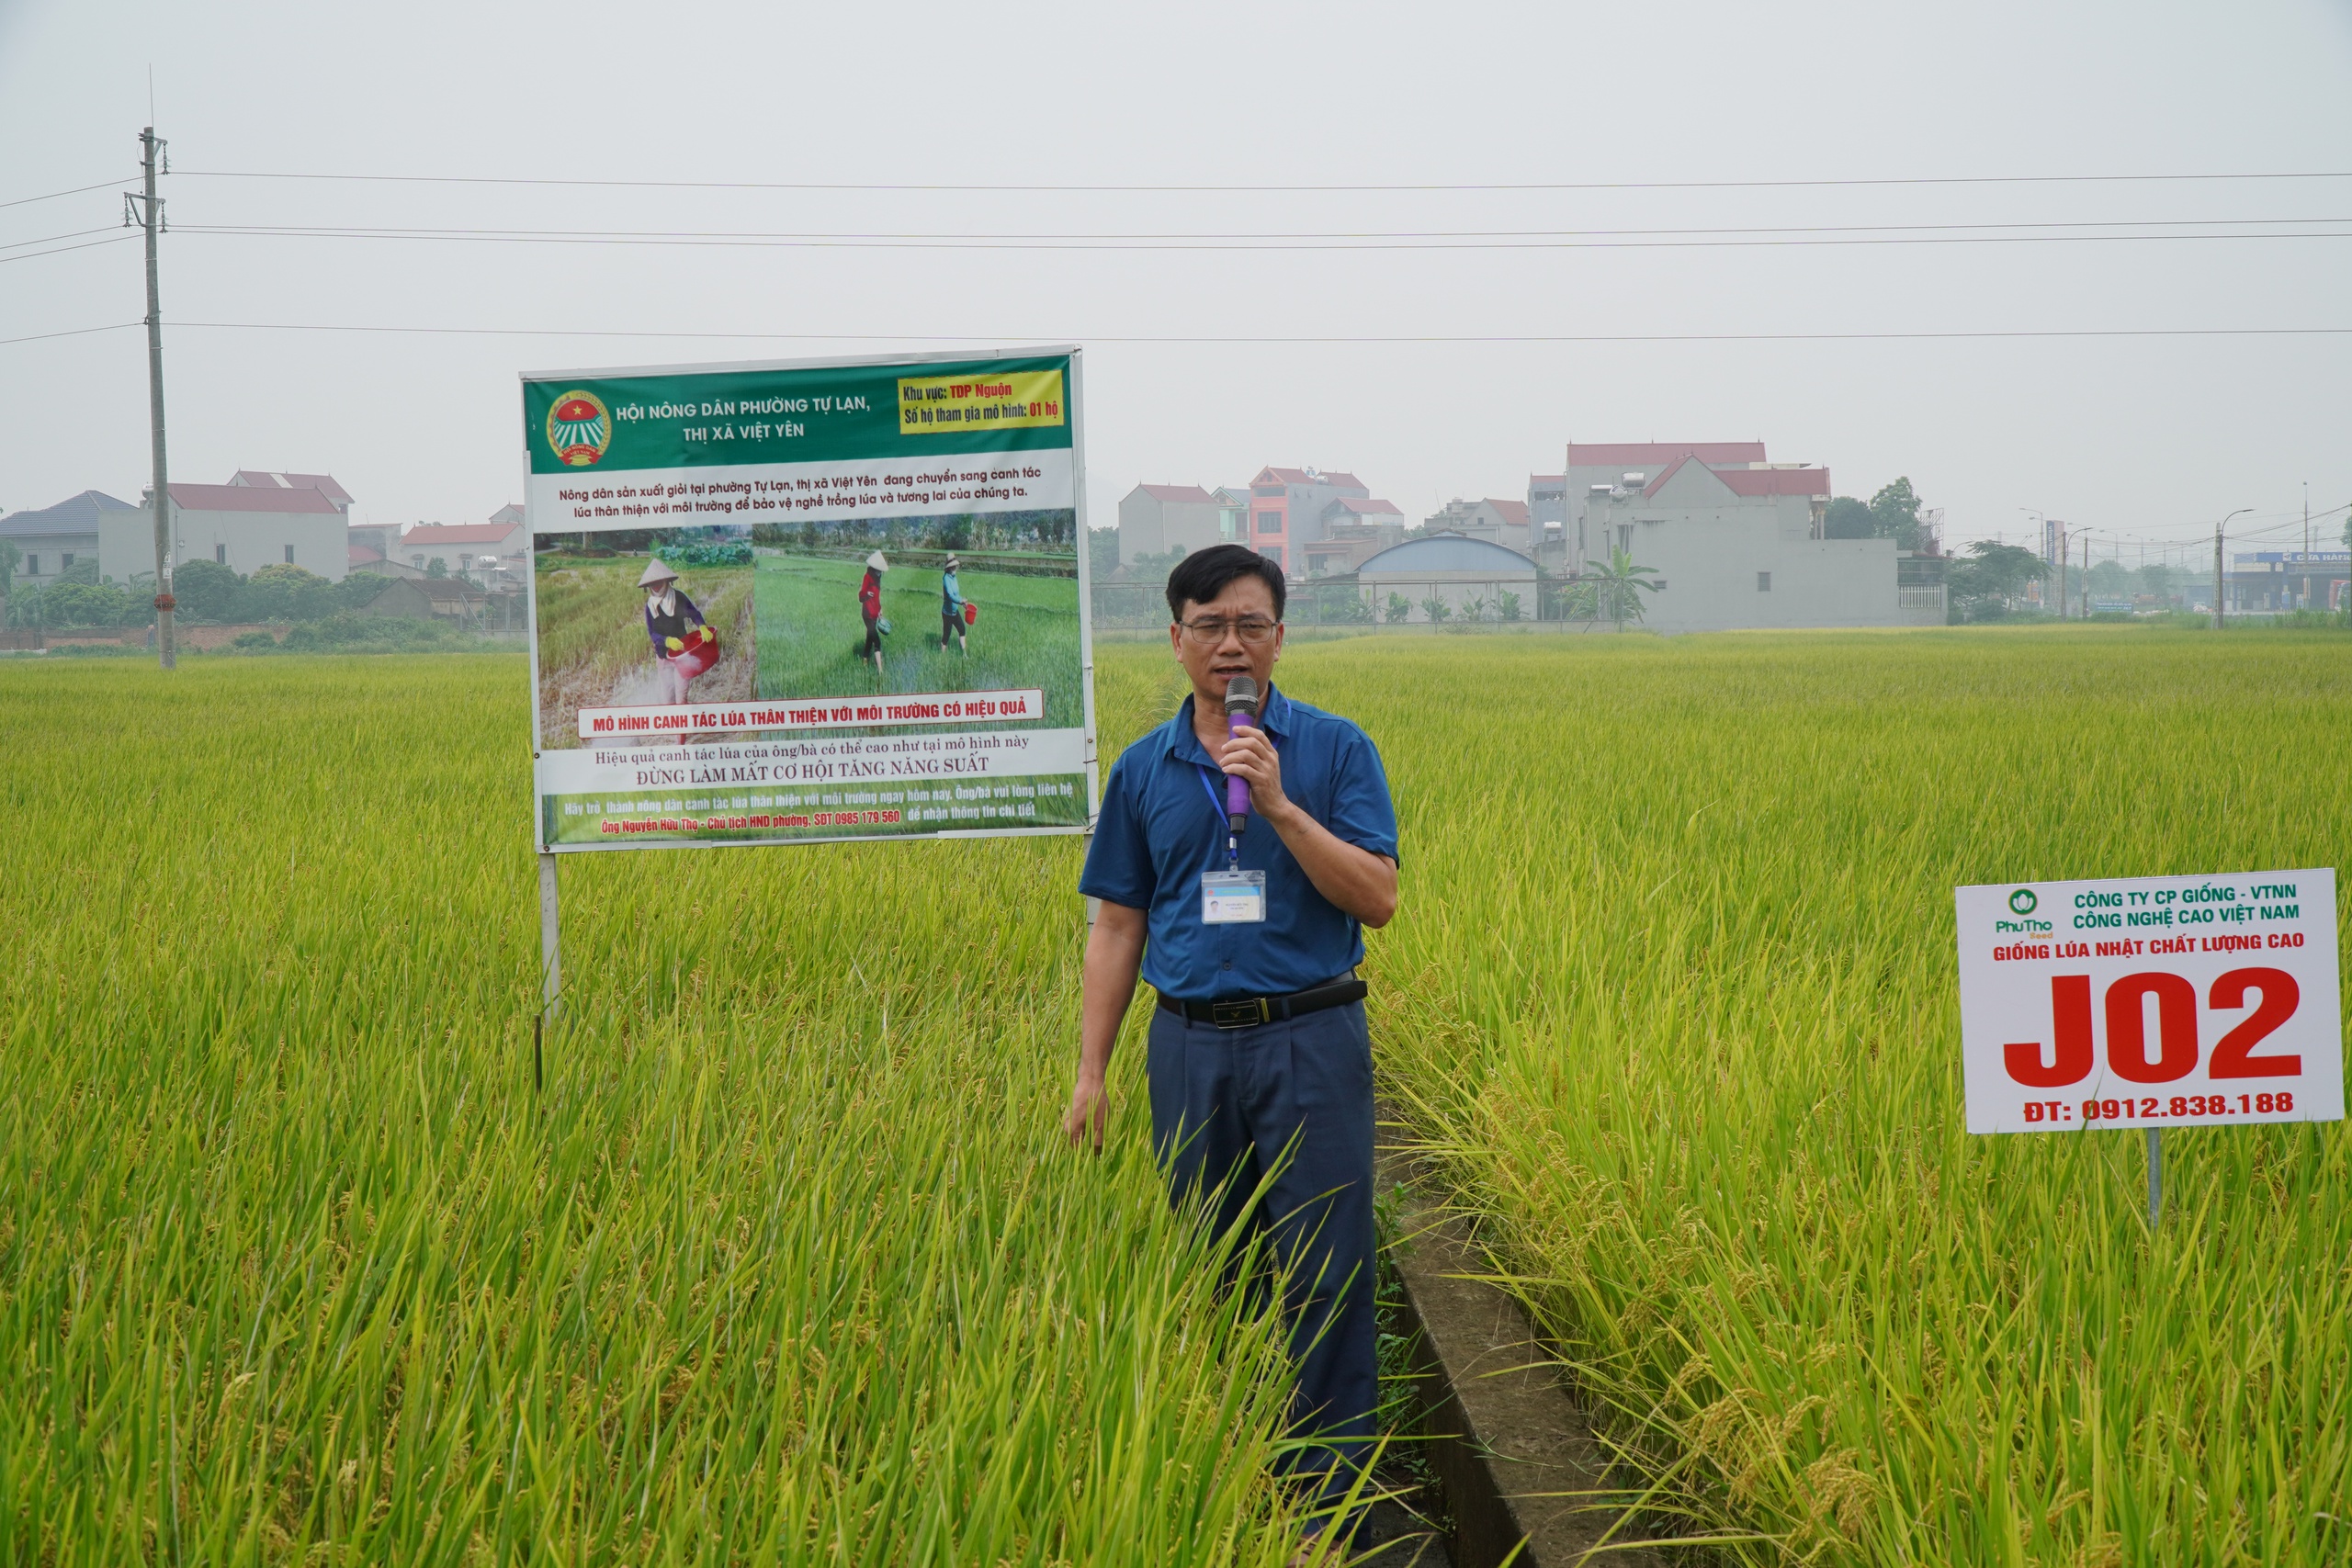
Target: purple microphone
{"x":1240,"y":708}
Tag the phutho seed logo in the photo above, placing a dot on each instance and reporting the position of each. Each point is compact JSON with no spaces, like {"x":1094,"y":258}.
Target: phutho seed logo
{"x":2022,"y":901}
{"x":579,"y":428}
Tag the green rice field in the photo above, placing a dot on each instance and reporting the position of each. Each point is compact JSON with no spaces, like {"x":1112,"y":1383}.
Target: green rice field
{"x":1672,"y":1001}
{"x":811,"y":640}
{"x":784,"y":1264}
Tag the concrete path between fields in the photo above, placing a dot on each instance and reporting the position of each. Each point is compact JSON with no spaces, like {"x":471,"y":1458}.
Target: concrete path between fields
{"x":1512,"y":1448}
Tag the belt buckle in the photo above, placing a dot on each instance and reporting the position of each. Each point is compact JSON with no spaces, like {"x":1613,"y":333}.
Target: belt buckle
{"x":1238,"y":1015}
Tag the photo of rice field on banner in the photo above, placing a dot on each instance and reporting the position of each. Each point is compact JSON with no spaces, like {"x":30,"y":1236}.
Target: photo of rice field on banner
{"x":960,"y":603}
{"x":641,"y":617}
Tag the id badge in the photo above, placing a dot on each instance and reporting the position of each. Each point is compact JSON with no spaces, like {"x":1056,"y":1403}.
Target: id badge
{"x":1232,"y":898}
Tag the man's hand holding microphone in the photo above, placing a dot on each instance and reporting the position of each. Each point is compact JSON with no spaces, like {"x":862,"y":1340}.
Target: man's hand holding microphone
{"x":1253,"y":770}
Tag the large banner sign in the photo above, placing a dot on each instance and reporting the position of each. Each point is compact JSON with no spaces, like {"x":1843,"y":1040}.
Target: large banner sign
{"x":2153,"y":1001}
{"x":781,"y":602}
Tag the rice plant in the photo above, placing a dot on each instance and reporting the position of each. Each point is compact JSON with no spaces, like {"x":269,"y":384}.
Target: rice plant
{"x":1672,"y":999}
{"x":783,"y":1264}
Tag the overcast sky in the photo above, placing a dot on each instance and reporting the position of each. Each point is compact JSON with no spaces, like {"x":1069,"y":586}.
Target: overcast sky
{"x":2148,"y":437}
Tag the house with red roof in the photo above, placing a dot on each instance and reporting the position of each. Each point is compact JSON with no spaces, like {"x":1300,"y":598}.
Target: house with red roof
{"x":259,"y":479}
{"x":1354,"y":531}
{"x":1293,"y":508}
{"x":1733,"y":539}
{"x":475,"y":550}
{"x":1279,"y":514}
{"x":243,"y":526}
{"x":1602,"y":472}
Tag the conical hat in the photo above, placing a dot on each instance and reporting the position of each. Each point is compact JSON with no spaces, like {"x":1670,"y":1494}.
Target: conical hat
{"x":875,"y":562}
{"x":656,"y":573}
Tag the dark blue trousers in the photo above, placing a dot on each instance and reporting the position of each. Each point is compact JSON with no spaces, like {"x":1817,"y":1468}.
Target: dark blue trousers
{"x":1228,"y":1107}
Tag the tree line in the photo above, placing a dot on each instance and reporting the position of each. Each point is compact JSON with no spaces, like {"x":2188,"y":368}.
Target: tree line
{"x":203,"y":591}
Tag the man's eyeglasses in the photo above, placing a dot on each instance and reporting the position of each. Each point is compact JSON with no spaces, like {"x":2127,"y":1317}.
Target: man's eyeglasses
{"x":1209,"y":633}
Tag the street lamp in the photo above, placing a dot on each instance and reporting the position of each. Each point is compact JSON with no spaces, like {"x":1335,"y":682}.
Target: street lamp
{"x":2217,"y":563}
{"x":2086,"y":534}
{"x":2043,"y":520}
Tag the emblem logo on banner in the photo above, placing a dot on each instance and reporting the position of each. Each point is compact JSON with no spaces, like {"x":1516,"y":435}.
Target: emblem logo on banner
{"x":579,"y":428}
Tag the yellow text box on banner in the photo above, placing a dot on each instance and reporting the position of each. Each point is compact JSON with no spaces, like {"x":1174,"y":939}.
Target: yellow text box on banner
{"x":932,"y":405}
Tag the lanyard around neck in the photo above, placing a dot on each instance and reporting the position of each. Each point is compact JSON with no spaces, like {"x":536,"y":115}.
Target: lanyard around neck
{"x":1209,"y":777}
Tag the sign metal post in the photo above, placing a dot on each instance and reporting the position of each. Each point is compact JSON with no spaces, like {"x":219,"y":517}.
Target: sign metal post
{"x":550,"y":965}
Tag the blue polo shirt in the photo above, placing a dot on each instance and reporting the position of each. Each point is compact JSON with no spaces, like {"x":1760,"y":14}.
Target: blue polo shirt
{"x":1163,"y":825}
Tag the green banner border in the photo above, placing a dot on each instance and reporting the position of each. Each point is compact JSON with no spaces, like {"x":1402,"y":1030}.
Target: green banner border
{"x":668,"y":403}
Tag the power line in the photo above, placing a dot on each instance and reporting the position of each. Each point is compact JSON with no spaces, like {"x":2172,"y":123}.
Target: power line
{"x":888,"y":188}
{"x":50,"y":239}
{"x":52,"y":196}
{"x":1436,"y":241}
{"x":73,"y":331}
{"x":60,"y":250}
{"x":1268,"y":235}
{"x":2287,"y":525}
{"x":1249,"y":339}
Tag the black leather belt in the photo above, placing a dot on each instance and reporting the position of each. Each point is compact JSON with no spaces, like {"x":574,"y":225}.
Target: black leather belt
{"x":1248,"y":1013}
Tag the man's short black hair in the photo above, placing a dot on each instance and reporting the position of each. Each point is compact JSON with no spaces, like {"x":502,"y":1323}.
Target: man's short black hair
{"x":1203,"y":575}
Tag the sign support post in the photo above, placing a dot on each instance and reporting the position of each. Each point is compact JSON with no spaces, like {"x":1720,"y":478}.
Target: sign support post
{"x":550,"y":940}
{"x":551,"y":961}
{"x":2155,"y":1176}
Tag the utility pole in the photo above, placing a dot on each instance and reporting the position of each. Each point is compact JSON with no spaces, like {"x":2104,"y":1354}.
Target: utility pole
{"x":2062,"y":570}
{"x":2217,"y":581}
{"x":152,"y":214}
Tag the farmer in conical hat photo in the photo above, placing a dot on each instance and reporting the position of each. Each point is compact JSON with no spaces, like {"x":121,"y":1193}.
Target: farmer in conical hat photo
{"x":951,"y":609}
{"x":682,"y":647}
{"x":869,"y":605}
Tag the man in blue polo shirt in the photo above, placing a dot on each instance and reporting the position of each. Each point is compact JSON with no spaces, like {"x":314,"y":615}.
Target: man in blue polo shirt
{"x":1259,"y":1060}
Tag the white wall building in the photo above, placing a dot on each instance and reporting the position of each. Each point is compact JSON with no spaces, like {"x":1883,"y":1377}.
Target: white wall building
{"x":1596,"y":468}
{"x":1155,"y":519}
{"x":1736,"y":548}
{"x":243,"y":527}
{"x":54,"y":539}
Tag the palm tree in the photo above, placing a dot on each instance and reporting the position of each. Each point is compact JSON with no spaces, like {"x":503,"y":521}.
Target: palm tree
{"x":1576,"y":599}
{"x":1620,"y":584}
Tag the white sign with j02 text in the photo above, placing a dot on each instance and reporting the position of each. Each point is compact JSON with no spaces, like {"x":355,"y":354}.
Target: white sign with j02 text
{"x":2151,"y":1001}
